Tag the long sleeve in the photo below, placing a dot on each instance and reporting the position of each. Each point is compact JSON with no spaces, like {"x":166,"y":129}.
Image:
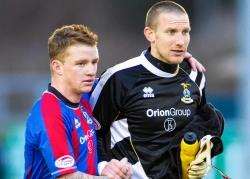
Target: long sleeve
{"x":46,"y":132}
{"x":106,"y":101}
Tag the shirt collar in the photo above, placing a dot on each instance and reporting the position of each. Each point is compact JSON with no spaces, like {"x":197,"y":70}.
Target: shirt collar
{"x":61,"y":97}
{"x":169,"y":68}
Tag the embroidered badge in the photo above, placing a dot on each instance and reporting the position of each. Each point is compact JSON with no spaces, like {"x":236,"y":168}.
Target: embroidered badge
{"x":186,"y":93}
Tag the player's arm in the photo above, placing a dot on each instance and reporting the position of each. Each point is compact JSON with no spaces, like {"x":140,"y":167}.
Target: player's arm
{"x":113,"y":169}
{"x":210,"y":141}
{"x":208,"y":120}
{"x":54,"y":143}
{"x":106,"y":100}
{"x":208,"y":124}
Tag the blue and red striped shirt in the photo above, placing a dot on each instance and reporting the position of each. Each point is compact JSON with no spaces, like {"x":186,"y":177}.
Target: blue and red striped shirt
{"x":60,"y":137}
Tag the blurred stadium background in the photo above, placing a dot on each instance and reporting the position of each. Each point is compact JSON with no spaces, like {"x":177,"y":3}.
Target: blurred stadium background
{"x":219,"y":39}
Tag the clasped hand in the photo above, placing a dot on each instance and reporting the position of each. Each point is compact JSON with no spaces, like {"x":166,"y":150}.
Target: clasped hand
{"x":116,"y":169}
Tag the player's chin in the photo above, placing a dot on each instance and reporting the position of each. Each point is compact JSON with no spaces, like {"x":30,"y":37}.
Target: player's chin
{"x":86,"y":89}
{"x":176,"y":60}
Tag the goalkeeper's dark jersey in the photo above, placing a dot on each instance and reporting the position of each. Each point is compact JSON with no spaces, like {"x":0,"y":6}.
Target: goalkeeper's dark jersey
{"x":144,"y":107}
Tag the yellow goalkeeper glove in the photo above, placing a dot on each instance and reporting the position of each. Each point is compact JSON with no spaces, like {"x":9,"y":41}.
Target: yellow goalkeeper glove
{"x":202,"y":163}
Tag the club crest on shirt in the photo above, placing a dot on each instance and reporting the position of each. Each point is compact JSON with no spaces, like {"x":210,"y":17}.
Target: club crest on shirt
{"x":186,"y":93}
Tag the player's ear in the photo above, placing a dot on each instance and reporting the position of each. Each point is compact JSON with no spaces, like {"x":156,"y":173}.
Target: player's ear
{"x":56,"y":67}
{"x":149,"y":34}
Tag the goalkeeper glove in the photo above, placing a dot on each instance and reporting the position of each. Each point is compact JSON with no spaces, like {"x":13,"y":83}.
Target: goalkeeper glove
{"x":202,"y":163}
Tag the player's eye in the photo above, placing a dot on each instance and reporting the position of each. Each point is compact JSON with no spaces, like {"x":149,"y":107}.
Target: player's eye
{"x":171,"y":31}
{"x":81,"y":64}
{"x":186,"y":32}
{"x":95,"y":61}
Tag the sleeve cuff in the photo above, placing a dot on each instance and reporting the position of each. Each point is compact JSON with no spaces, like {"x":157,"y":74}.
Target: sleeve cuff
{"x":101,"y":166}
{"x":64,"y":171}
{"x":217,"y":145}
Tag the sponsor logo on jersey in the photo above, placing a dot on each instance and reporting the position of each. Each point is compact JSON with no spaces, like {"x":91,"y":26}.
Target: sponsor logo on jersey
{"x":172,"y":112}
{"x":65,"y":161}
{"x":169,"y":124}
{"x":148,"y":92}
{"x":85,"y":138}
{"x":90,"y":146}
{"x":87,"y":117}
{"x":77,"y":123}
{"x":186,"y":93}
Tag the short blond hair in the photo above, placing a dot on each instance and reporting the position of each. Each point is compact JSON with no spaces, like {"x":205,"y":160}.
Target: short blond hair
{"x":68,"y":35}
{"x":160,"y":7}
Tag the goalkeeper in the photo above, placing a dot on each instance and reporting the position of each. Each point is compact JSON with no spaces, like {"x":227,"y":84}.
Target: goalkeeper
{"x":146,"y":104}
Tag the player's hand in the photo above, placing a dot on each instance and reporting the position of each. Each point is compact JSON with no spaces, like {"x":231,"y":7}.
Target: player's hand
{"x":198,"y":171}
{"x":202,"y":163}
{"x":194,"y":63}
{"x":127,"y":168}
{"x":116,"y":169}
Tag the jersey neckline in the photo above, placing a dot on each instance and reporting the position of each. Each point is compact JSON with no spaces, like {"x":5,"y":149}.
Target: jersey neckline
{"x":61,"y":97}
{"x":169,"y":68}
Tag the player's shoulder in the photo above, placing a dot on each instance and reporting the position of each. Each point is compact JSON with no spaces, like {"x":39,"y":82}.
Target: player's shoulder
{"x":36,"y":108}
{"x":123,"y":67}
{"x":47,"y":103}
{"x":48,"y":97}
{"x":195,"y":76}
{"x":185,"y":66}
{"x":34,"y":118}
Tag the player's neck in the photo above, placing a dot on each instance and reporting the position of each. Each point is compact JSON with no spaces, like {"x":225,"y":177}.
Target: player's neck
{"x":66,"y":91}
{"x":162,"y":65}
